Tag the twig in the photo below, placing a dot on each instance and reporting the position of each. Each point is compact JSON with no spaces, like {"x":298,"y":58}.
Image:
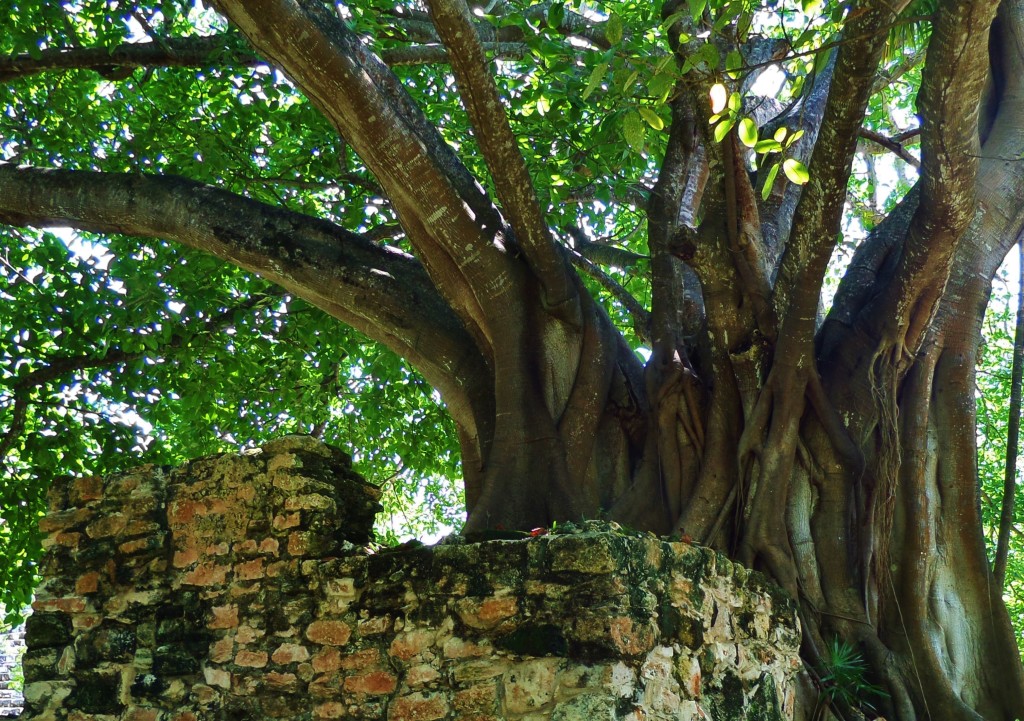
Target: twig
{"x":641,"y":317}
{"x":891,"y":145}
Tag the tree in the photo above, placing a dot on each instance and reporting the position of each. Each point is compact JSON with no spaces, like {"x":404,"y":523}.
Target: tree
{"x":525,"y":195}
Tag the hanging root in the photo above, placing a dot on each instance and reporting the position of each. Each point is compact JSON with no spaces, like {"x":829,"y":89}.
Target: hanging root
{"x":750,"y":448}
{"x":884,"y":378}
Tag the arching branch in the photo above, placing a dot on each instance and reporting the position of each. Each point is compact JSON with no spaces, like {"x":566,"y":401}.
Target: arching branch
{"x":382,"y":293}
{"x":117,"y":63}
{"x":447,"y":216}
{"x":225,"y":49}
{"x":820,"y":208}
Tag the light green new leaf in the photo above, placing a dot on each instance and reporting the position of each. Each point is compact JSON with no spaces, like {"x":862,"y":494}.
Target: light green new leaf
{"x":769,"y":182}
{"x":748,"y":132}
{"x":733,"y":61}
{"x":652,"y":118}
{"x":796,"y":171}
{"x":767,"y":146}
{"x":722,"y":129}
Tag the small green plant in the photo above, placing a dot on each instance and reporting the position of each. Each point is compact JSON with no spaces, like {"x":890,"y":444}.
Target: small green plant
{"x":843,"y":683}
{"x":17,"y":681}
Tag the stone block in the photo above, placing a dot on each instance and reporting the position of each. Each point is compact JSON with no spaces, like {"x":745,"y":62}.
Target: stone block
{"x":48,"y":630}
{"x":418,"y":707}
{"x":329,"y":633}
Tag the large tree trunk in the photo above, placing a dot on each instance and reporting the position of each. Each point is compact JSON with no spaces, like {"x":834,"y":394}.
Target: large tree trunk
{"x":839,"y":458}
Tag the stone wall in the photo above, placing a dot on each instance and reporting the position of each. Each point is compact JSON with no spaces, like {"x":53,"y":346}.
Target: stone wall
{"x":239,"y":587}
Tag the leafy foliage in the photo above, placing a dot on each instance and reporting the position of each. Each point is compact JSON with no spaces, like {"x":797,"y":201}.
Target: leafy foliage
{"x":845,"y":680}
{"x":993,"y":411}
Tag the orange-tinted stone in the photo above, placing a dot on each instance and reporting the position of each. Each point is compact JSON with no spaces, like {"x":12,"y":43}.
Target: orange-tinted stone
{"x":251,"y":659}
{"x":329,"y":633}
{"x":375,"y":683}
{"x":87,"y":583}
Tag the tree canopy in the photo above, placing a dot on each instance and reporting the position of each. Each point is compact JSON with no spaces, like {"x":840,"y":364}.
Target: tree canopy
{"x":714,"y":268}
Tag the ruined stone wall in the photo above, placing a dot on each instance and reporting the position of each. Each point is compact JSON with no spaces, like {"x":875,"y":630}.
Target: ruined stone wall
{"x":238,"y":587}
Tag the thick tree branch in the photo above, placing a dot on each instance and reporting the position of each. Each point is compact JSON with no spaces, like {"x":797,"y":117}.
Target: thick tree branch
{"x":501,"y":151}
{"x":436,"y":54}
{"x":605,"y":254}
{"x":417,"y":25}
{"x":447,"y":215}
{"x":382,"y":293}
{"x":777,"y":211}
{"x":818,"y":213}
{"x":951,"y":86}
{"x":225,"y":49}
{"x":117,"y":63}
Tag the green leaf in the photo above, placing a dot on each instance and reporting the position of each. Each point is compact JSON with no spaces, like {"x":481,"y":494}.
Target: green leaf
{"x":596,"y":76}
{"x":633,"y":130}
{"x":780,"y":134}
{"x":796,"y":171}
{"x":629,"y":81}
{"x":661,"y":85}
{"x":735,"y":102}
{"x":743,"y":26}
{"x":805,"y":37}
{"x":733,"y":60}
{"x":652,"y":118}
{"x":719,"y":96}
{"x":710,"y":55}
{"x":748,"y":132}
{"x":769,"y":182}
{"x":697,"y":8}
{"x":556,"y":15}
{"x":723,"y":128}
{"x":613,"y":29}
{"x":767,"y":146}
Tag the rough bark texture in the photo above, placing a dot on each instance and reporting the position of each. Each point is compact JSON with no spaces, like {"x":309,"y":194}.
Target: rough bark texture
{"x":837,"y":457}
